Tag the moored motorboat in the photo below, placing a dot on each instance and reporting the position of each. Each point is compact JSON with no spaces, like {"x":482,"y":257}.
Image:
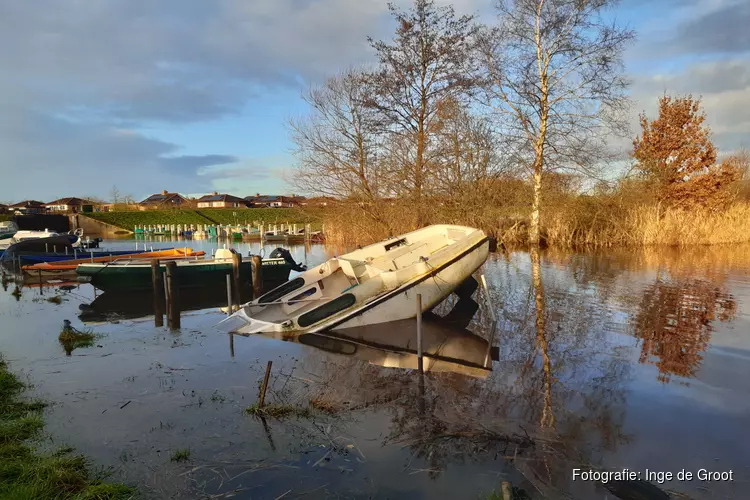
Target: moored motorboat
{"x":136,"y":275}
{"x":375,"y":284}
{"x":69,"y":266}
{"x":29,"y":245}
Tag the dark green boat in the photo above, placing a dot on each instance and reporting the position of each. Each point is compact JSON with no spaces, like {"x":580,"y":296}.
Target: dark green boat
{"x":190,"y":273}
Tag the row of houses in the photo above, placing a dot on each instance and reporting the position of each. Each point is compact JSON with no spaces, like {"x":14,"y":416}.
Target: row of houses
{"x":165,"y":200}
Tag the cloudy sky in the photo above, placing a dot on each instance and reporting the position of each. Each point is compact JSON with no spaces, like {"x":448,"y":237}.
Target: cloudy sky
{"x":193,"y":95}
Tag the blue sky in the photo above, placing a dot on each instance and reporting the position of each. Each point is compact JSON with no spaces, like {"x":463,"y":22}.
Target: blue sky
{"x":193,"y":95}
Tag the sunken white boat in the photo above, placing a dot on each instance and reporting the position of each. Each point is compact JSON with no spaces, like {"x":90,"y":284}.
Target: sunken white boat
{"x":375,"y":284}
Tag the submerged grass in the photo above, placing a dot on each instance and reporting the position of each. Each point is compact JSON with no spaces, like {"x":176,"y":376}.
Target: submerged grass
{"x":278,"y":411}
{"x":181,"y":455}
{"x":26,"y":474}
{"x":71,"y":339}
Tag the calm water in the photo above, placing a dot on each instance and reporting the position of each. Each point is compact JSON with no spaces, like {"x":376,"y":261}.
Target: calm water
{"x":623,"y":359}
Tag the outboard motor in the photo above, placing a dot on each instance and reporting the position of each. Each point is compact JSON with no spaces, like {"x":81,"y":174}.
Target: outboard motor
{"x":287,"y":256}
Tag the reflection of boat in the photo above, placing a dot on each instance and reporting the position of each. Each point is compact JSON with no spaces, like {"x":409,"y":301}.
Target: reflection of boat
{"x":127,"y":305}
{"x":375,"y":284}
{"x":395,"y":346}
{"x":70,"y":266}
{"x":136,"y":275}
{"x":285,"y":236}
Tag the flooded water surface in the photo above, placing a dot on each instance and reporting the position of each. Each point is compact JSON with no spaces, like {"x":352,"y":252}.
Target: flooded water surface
{"x":627,"y":359}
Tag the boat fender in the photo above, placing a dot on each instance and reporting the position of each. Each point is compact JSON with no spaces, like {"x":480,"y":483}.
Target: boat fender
{"x":287,"y":256}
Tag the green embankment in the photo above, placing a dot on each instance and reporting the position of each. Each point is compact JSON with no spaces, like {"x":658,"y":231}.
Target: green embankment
{"x":5,"y":217}
{"x":26,"y":473}
{"x":129,"y":219}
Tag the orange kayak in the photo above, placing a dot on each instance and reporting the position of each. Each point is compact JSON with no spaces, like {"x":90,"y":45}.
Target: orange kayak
{"x":71,"y":265}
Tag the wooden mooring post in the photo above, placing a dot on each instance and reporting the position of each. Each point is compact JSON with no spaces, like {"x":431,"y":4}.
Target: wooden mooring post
{"x":173,"y":289}
{"x":420,"y":363}
{"x":257,"y":275}
{"x":158,"y":287}
{"x":229,"y":294}
{"x":237,"y":278}
{"x":264,"y":387}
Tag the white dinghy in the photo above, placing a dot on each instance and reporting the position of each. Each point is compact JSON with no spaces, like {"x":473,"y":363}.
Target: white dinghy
{"x":375,"y":284}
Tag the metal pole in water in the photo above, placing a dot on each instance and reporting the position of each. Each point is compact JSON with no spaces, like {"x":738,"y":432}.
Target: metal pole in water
{"x":92,"y":255}
{"x":420,"y":363}
{"x":488,"y":359}
{"x":264,"y":387}
{"x":54,"y":248}
{"x":46,"y":248}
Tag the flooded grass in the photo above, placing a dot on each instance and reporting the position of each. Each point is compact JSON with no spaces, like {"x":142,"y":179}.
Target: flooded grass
{"x":72,"y":339}
{"x":28,"y":474}
{"x":180,"y":455}
{"x":278,"y":411}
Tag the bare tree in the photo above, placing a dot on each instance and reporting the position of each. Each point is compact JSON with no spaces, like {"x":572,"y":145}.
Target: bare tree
{"x":554,"y":78}
{"x":115,"y":195}
{"x":429,"y":61}
{"x":468,"y":153}
{"x":337,"y":143}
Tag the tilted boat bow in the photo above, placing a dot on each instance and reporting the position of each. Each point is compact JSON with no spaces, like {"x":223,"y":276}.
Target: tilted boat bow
{"x":372,"y":285}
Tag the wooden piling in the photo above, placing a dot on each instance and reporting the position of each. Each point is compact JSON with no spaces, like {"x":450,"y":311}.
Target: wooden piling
{"x":237,"y":278}
{"x":264,"y":387}
{"x":173,"y":289}
{"x":158,"y":287}
{"x":257,"y":275}
{"x":420,"y":363}
{"x":229,"y":294}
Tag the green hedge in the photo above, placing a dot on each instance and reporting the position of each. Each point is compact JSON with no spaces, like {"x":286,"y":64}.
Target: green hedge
{"x":129,"y":219}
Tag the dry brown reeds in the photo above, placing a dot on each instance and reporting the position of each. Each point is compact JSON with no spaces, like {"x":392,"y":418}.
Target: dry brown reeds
{"x":568,"y":222}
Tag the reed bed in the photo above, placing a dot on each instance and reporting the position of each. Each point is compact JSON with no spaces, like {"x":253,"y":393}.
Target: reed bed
{"x":575,"y":222}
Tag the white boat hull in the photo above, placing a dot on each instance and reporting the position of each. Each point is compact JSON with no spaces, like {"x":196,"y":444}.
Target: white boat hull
{"x":372,"y":285}
{"x":403,"y":305}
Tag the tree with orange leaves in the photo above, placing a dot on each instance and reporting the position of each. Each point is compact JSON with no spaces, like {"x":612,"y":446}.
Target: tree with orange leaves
{"x":675,"y":151}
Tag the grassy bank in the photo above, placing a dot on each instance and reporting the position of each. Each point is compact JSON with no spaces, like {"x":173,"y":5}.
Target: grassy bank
{"x":129,"y":219}
{"x":573,"y":222}
{"x":26,"y":474}
{"x":5,"y":217}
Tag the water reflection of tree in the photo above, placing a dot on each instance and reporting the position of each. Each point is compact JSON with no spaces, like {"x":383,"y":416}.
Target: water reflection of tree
{"x":674,"y":323}
{"x":554,"y":401}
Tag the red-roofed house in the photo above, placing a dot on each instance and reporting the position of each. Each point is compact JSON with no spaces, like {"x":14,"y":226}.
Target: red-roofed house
{"x":162,"y":200}
{"x":67,"y":205}
{"x":28,"y":207}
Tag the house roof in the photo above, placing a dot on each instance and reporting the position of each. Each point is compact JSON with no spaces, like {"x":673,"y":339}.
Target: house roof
{"x":221,"y":197}
{"x":69,"y":201}
{"x":271,"y":198}
{"x":28,"y":204}
{"x":160,"y":198}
